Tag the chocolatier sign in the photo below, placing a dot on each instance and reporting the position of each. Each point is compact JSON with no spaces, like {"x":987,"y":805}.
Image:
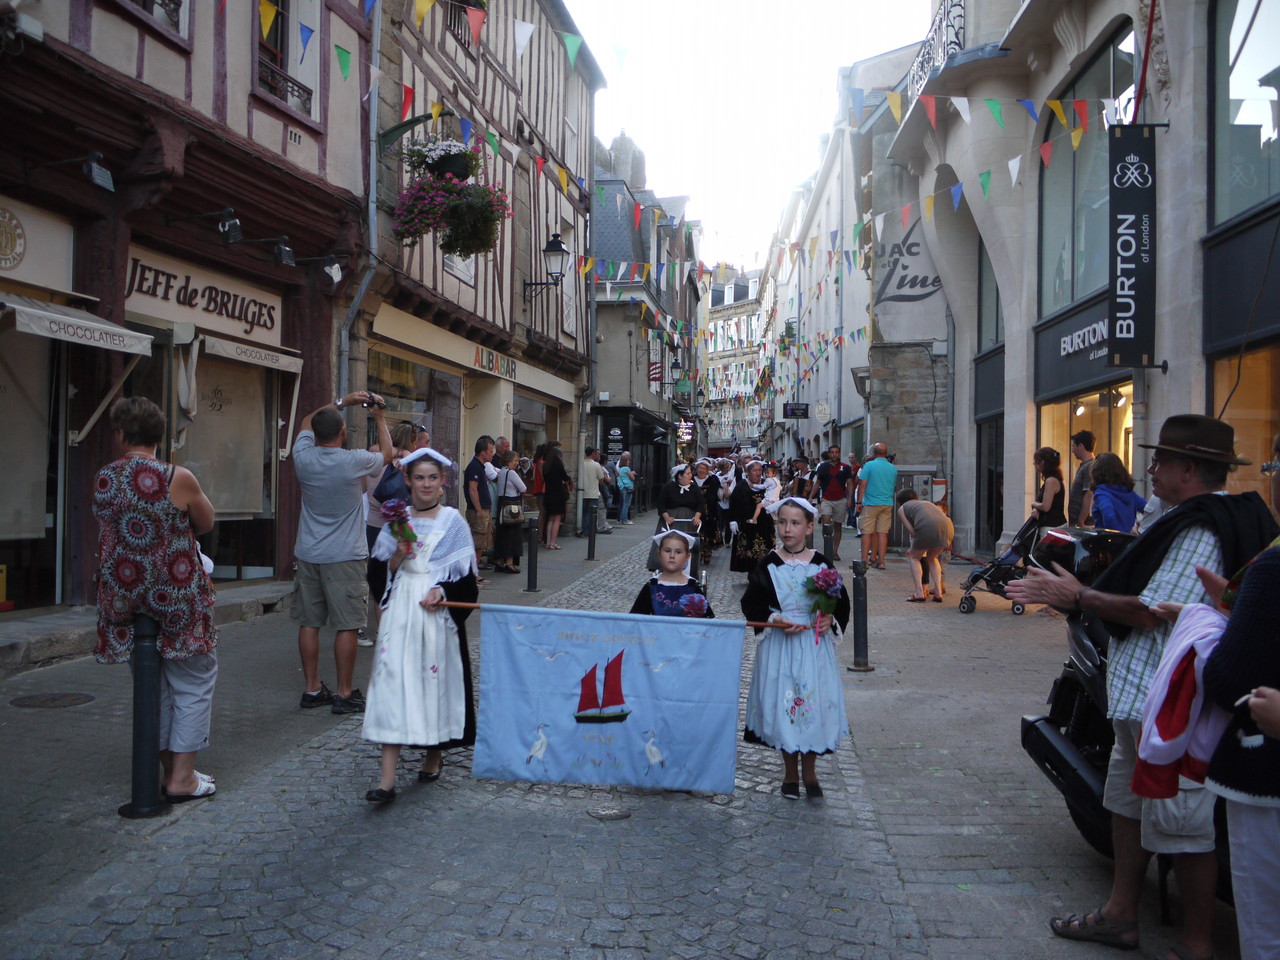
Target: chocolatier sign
{"x":168,"y":289}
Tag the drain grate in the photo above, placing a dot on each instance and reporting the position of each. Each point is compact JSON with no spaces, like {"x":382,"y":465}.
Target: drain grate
{"x":51,"y":700}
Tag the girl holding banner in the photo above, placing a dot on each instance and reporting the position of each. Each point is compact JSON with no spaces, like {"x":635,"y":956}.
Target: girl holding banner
{"x":420,"y":690}
{"x":796,"y":703}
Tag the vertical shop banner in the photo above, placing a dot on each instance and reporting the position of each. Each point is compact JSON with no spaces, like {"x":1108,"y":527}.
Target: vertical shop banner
{"x":1132,"y":198}
{"x":569,"y":696}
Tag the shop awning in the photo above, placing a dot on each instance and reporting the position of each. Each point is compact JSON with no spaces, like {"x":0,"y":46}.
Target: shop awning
{"x":57,"y":322}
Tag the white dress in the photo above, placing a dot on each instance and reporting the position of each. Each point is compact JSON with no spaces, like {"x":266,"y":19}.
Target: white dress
{"x":417,"y":691}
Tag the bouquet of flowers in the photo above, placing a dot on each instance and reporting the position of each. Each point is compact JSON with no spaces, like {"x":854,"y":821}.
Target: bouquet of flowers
{"x":396,"y":514}
{"x":694,"y":605}
{"x":825,"y":587}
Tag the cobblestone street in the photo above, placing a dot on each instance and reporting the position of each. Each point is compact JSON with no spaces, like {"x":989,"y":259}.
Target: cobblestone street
{"x":938,"y":838}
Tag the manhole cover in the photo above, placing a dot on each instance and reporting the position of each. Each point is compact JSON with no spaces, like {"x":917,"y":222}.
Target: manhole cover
{"x":609,"y":813}
{"x":52,"y":700}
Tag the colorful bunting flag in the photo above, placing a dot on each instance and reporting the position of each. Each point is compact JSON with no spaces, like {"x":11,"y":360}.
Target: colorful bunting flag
{"x":304,"y":34}
{"x":996,"y":110}
{"x":523,"y":32}
{"x":906,"y":216}
{"x":436,"y":110}
{"x":835,"y":239}
{"x":538,"y":162}
{"x":368,"y":7}
{"x":464,"y":126}
{"x":895,"y":105}
{"x":956,"y":193}
{"x":1056,"y":107}
{"x":636,"y":213}
{"x":962,"y":107}
{"x":930,"y":108}
{"x":1077,"y":134}
{"x":1031,"y":109}
{"x":571,"y":44}
{"x":344,"y":60}
{"x":476,"y":17}
{"x":266,"y":16}
{"x":406,"y":103}
{"x":1014,"y":164}
{"x":984,"y":178}
{"x":1081,"y":107}
{"x":493,"y":141}
{"x":420,"y":10}
{"x":1046,"y":151}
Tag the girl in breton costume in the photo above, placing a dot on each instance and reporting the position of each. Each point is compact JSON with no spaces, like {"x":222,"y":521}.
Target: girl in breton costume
{"x":420,"y":690}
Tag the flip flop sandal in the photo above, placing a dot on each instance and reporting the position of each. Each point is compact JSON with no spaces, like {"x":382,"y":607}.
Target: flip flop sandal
{"x":915,"y":599}
{"x":1095,"y":928}
{"x":203,"y":790}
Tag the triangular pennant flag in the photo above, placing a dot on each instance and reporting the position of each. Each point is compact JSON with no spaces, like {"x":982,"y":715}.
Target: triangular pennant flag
{"x":879,"y":221}
{"x":984,"y":178}
{"x":1056,"y":107}
{"x":636,"y":213}
{"x":835,"y":239}
{"x":464,"y":126}
{"x":1081,"y":107}
{"x":266,"y":16}
{"x":1031,"y":109}
{"x":813,"y":247}
{"x":344,"y":60}
{"x":571,"y":44}
{"x":1108,"y":110}
{"x":996,"y":110}
{"x":906,"y":216}
{"x":539,"y":161}
{"x":476,"y":17}
{"x":523,"y":32}
{"x":368,"y":7}
{"x":857,"y":232}
{"x":1077,"y":134}
{"x":1014,"y":164}
{"x":563,"y":174}
{"x":406,"y":103}
{"x":515,"y":154}
{"x":436,"y":110}
{"x":420,"y":10}
{"x":582,"y":185}
{"x":956,"y":193}
{"x":493,"y":141}
{"x":930,"y":108}
{"x":375,"y":77}
{"x":848,"y":262}
{"x":962,"y":107}
{"x":1046,"y":151}
{"x":804,"y":261}
{"x":304,"y":34}
{"x":600,"y":192}
{"x":895,"y":105}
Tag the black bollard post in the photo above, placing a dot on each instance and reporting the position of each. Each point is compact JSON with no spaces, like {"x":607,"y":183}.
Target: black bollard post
{"x":858,"y":598}
{"x":531,"y":561}
{"x":145,"y":662}
{"x":828,"y":541}
{"x":591,"y":507}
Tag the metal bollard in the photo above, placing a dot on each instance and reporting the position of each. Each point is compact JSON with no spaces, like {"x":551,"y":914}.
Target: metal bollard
{"x":829,"y":540}
{"x":591,"y":507}
{"x":145,"y":662}
{"x":531,"y":561}
{"x":858,"y":597}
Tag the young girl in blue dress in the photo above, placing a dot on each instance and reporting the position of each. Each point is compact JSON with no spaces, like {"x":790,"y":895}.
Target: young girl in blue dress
{"x":671,"y":592}
{"x":796,"y":702}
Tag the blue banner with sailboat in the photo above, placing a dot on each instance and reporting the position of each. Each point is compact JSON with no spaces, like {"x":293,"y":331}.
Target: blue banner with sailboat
{"x":572,"y":696}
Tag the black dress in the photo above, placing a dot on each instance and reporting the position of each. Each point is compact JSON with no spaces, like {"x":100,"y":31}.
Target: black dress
{"x":466,"y":590}
{"x":710,"y":533}
{"x":556,"y":481}
{"x":753,"y":540}
{"x":508,"y":538}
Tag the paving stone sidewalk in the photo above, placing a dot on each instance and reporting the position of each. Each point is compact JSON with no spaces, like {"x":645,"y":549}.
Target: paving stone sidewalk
{"x":293,"y":862}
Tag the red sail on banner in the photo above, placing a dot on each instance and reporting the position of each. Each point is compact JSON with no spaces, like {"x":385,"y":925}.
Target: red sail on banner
{"x":588,"y":699}
{"x":612,"y":683}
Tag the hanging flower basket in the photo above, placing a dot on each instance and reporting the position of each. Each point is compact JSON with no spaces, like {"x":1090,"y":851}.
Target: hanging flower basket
{"x":437,"y":156}
{"x":465,"y":216}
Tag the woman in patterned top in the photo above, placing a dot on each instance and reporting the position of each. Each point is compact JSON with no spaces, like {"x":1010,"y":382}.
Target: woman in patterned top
{"x":149,"y":513}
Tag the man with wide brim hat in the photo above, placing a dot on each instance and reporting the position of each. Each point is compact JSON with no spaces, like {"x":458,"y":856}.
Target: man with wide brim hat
{"x":1204,"y":527}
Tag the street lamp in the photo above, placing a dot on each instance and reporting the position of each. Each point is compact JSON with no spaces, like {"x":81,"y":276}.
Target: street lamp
{"x":555,"y":258}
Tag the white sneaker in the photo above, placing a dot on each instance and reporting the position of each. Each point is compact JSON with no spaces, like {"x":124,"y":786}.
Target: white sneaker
{"x":362,"y":639}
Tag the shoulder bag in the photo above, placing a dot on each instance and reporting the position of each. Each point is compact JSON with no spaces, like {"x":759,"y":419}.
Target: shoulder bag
{"x":510,"y":509}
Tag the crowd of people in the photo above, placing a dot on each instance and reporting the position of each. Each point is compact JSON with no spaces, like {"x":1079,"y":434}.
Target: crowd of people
{"x":1202,"y":581}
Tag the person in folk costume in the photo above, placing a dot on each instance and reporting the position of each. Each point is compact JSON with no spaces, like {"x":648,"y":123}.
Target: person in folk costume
{"x":727,"y":478}
{"x":679,"y":499}
{"x":420,"y":688}
{"x":709,"y":484}
{"x":795,"y":703}
{"x":751,"y":526}
{"x":671,"y":592}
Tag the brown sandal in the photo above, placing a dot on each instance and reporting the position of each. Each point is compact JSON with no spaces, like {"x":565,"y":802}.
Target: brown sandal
{"x":1095,"y":928}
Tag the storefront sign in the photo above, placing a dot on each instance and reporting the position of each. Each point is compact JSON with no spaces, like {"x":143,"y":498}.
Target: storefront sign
{"x":249,"y":353}
{"x":1091,"y":337}
{"x":35,"y":246}
{"x":685,"y":431}
{"x":1071,"y":352}
{"x":490,"y":361}
{"x":1132,"y":199}
{"x":13,"y":240}
{"x":168,"y":289}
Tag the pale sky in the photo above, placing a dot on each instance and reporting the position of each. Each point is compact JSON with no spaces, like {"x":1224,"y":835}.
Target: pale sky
{"x":728,"y":98}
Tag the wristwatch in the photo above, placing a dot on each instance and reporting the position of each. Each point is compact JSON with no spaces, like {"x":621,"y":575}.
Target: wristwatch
{"x":338,"y":403}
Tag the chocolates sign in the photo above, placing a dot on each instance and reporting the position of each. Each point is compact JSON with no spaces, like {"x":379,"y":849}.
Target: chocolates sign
{"x":168,"y":289}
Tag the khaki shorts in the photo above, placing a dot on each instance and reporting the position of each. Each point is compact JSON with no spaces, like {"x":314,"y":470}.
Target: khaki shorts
{"x":1181,"y":824}
{"x":837,"y":510}
{"x":876,"y":518}
{"x":481,"y":525}
{"x":333,"y":593}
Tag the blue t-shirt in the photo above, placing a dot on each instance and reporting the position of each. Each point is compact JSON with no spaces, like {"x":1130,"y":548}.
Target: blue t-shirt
{"x":881,"y":477}
{"x":475,"y":471}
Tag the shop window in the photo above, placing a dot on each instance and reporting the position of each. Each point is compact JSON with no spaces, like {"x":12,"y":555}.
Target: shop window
{"x":1253,"y":409}
{"x":1073,"y":188}
{"x":1246,"y":112}
{"x":170,"y":13}
{"x":426,"y":396}
{"x":1106,"y":413}
{"x":288,"y":69}
{"x":990,"y":311}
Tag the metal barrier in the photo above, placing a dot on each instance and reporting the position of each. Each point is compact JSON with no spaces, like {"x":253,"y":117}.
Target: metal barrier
{"x":858,"y":599}
{"x":145,"y":663}
{"x":829,"y":541}
{"x":531,"y":558}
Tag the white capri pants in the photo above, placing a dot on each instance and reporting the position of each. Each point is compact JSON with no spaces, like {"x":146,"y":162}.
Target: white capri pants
{"x":186,"y":702}
{"x":1255,"y":877}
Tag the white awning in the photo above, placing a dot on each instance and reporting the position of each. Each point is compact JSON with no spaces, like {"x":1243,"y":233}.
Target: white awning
{"x":250,"y":353}
{"x":57,"y":322}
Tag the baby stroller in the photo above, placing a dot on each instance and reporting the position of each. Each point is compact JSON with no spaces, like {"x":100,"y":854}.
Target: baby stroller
{"x":1002,"y":571}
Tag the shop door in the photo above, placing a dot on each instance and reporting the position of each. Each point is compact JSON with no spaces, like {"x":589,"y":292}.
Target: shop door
{"x":990,"y":485}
